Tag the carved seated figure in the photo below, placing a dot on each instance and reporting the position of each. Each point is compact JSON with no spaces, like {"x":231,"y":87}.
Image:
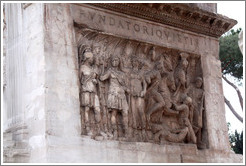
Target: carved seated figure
{"x":183,"y":117}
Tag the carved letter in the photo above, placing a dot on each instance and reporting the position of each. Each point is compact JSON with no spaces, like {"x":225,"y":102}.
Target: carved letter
{"x":166,"y":34}
{"x":101,"y":19}
{"x":128,"y":23}
{"x":111,"y":21}
{"x":91,"y":15}
{"x":159,"y":34}
{"x":145,"y":30}
{"x":120,"y":25}
{"x":136,"y":27}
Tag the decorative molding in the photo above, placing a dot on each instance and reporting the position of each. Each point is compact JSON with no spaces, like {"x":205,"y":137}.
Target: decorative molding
{"x":177,"y":15}
{"x":15,"y":141}
{"x":25,"y":5}
{"x":4,"y":19}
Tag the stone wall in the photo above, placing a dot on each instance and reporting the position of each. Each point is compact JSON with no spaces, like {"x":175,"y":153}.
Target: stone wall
{"x":62,"y":85}
{"x":42,"y":114}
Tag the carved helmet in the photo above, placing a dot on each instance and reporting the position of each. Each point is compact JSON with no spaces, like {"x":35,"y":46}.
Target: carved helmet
{"x":96,"y":45}
{"x":184,"y":55}
{"x":185,"y":98}
{"x":83,"y":50}
{"x":198,"y":79}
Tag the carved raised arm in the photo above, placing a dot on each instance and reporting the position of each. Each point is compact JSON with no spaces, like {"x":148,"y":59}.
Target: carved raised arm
{"x":105,"y":76}
{"x":144,"y":88}
{"x":180,"y":107}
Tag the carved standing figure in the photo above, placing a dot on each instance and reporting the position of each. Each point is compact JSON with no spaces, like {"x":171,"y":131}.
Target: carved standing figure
{"x":89,"y":97}
{"x":100,"y":64}
{"x":138,"y":87}
{"x":116,"y":101}
{"x":180,"y":73}
{"x":198,"y":95}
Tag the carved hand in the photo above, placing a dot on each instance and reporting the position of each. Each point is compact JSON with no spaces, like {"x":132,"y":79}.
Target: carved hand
{"x":147,"y":78}
{"x":156,"y":83}
{"x":186,"y":122}
{"x":142,"y":93}
{"x":175,"y":106}
{"x":127,"y":90}
{"x":105,"y":76}
{"x":94,"y":81}
{"x":101,"y":78}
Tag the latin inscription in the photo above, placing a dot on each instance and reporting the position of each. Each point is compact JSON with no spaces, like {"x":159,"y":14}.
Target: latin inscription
{"x":136,"y":29}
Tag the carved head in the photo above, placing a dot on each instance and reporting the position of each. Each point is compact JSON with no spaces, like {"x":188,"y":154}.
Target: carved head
{"x":115,"y":61}
{"x":96,"y":48}
{"x":135,"y":62}
{"x":184,"y":61}
{"x":128,"y":48}
{"x":87,"y":55}
{"x":159,"y":66}
{"x":199,"y":82}
{"x":184,"y":55}
{"x":152,"y":54}
{"x":167,"y":62}
{"x":187,"y":100}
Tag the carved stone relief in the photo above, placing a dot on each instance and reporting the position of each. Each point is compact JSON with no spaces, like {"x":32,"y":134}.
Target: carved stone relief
{"x":135,"y":91}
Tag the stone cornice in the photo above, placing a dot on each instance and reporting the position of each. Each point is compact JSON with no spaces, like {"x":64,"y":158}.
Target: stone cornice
{"x":175,"y":14}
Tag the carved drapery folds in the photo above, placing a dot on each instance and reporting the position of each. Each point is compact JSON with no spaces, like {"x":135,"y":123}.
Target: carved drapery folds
{"x":134,"y":91}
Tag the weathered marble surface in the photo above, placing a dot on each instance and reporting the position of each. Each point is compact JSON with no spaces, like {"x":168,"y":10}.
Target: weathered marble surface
{"x":50,"y":129}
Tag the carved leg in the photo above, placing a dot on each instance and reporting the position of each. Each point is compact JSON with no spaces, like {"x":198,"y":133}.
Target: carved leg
{"x":157,"y":136}
{"x":159,"y":104}
{"x":105,"y":128}
{"x":134,"y":112}
{"x":82,"y":115}
{"x":176,"y":92}
{"x":113,"y":122}
{"x":178,"y":135}
{"x":97,"y":115}
{"x":125,"y":122}
{"x":109,"y":125}
{"x":155,"y":108}
{"x":192,"y":135}
{"x":142,"y":118}
{"x":98,"y":120}
{"x":87,"y":121}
